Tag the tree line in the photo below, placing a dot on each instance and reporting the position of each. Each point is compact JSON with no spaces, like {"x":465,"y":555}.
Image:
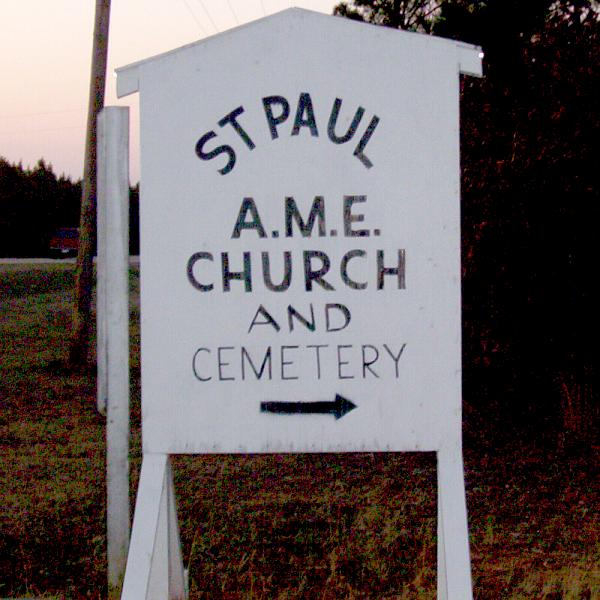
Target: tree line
{"x":35,"y":203}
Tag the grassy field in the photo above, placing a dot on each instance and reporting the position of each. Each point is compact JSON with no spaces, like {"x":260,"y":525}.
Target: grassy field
{"x":272,"y":526}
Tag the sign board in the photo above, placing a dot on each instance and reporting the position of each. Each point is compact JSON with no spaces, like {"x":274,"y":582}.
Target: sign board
{"x":300,"y":261}
{"x":300,"y":239}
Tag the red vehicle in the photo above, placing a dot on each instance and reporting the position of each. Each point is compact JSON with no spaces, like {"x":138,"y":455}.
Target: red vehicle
{"x":64,"y":242}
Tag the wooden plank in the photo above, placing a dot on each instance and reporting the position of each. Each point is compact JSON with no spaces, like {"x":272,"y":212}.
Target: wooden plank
{"x":113,"y":199}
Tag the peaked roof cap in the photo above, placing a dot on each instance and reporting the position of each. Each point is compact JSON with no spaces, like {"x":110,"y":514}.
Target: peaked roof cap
{"x":469,"y":56}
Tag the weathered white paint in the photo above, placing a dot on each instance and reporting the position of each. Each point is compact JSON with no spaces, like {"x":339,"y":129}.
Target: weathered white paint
{"x":113,"y":327}
{"x":101,"y":303}
{"x":393,"y":350}
{"x":454,"y":563}
{"x":155,"y":567}
{"x":411,"y":83}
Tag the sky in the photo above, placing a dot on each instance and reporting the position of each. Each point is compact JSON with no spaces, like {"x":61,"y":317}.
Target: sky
{"x":45,"y":58}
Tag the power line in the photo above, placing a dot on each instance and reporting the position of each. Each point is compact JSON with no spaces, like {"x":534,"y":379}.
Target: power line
{"x":208,"y":15}
{"x":232,"y":11}
{"x":27,"y":131}
{"x":202,"y":28}
{"x":40,"y":114}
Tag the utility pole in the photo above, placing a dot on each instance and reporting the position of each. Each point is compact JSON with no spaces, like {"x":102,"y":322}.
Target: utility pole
{"x":81,"y":323}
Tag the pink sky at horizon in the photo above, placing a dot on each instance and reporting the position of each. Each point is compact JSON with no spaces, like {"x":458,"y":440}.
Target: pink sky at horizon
{"x":45,"y":54}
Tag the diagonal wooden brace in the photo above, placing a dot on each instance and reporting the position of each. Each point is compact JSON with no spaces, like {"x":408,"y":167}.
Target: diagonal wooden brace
{"x":155,"y":565}
{"x":453,"y":560}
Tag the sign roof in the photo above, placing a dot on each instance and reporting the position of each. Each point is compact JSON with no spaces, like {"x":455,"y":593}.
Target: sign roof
{"x":305,"y":23}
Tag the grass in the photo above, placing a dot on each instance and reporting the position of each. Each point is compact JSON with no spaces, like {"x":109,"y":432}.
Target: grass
{"x":269,"y":526}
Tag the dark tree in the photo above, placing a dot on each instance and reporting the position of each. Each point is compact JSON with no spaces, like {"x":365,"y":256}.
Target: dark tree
{"x":134,"y":220}
{"x":33,"y":203}
{"x":414,"y":15}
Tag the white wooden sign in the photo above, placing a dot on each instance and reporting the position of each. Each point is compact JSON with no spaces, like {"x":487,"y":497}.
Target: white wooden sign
{"x":300,"y":239}
{"x":300,"y":256}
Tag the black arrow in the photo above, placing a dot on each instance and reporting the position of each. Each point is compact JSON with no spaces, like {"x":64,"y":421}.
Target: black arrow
{"x":338,"y":407}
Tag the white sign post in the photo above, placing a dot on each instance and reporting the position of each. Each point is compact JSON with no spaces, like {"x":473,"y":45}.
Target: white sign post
{"x":112,"y":295}
{"x":300,"y":250}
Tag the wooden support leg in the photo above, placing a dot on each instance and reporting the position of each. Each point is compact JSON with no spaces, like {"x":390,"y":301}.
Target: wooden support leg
{"x":454,"y":564}
{"x":442,"y":584}
{"x":154,"y":566}
{"x":113,"y":330}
